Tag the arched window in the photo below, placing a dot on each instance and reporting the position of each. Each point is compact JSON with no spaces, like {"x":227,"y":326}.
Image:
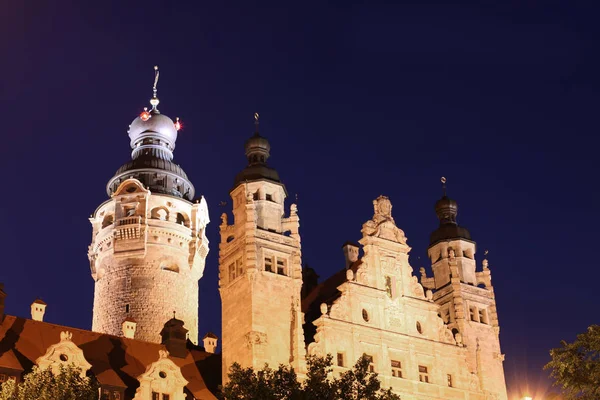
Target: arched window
{"x":182,"y":219}
{"x":159,"y":213}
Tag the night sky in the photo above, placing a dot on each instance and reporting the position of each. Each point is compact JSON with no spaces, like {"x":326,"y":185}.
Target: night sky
{"x":357,"y":100}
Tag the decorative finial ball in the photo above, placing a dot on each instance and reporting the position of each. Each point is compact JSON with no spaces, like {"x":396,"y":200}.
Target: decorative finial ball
{"x":429,"y":295}
{"x":349,"y":275}
{"x":154,"y":101}
{"x":323,"y":308}
{"x":443,"y":179}
{"x":177,"y":124}
{"x":156,"y":67}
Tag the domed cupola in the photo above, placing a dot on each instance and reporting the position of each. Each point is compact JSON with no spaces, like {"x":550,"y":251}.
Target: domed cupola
{"x":152,"y":139}
{"x":257,"y":152}
{"x":446,"y":210}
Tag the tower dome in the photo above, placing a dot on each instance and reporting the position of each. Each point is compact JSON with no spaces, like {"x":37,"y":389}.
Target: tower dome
{"x":257,"y":152}
{"x":152,"y":139}
{"x":446,"y":210}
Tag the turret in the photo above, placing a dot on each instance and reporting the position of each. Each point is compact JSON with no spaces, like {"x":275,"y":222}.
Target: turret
{"x":466,"y":297}
{"x":260,"y":273}
{"x":148,"y":245}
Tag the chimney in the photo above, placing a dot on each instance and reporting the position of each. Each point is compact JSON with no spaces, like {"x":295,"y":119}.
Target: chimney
{"x":2,"y":297}
{"x":350,"y":253}
{"x":210,"y":342}
{"x":129,"y":328}
{"x":38,"y":309}
{"x":174,"y":337}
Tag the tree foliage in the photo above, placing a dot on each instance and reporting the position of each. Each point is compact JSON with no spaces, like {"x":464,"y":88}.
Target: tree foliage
{"x":39,"y":384}
{"x":282,"y":384}
{"x":576,"y":366}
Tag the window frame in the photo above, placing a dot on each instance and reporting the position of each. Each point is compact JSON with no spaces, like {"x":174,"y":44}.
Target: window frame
{"x":424,"y":374}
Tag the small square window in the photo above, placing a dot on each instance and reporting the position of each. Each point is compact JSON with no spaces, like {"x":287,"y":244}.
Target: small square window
{"x":166,"y":397}
{"x":473,"y":313}
{"x":269,"y":197}
{"x":280,"y":266}
{"x":268,"y":264}
{"x":155,"y":396}
{"x":2,"y":377}
{"x":482,"y":316}
{"x":396,"y":369}
{"x":340,"y":359}
{"x":423,"y":374}
{"x":371,"y":363}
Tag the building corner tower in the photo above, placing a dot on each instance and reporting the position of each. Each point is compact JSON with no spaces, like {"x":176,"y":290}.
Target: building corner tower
{"x":466,"y":299}
{"x":148,"y":246}
{"x":260,"y":273}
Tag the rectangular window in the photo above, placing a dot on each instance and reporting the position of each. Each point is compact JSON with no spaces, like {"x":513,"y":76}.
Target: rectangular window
{"x":371,"y":363}
{"x":269,"y":197}
{"x":116,"y":396}
{"x":268,"y":264}
{"x":166,"y":397}
{"x":255,"y":196}
{"x":449,"y":378}
{"x":423,"y":374}
{"x":280,"y":266}
{"x":396,"y":369}
{"x":473,"y":313}
{"x":231,"y":272}
{"x":482,"y":316}
{"x":105,"y":395}
{"x":340,"y":359}
{"x":126,"y":308}
{"x":155,"y":396}
{"x":2,"y":377}
{"x":239,"y":267}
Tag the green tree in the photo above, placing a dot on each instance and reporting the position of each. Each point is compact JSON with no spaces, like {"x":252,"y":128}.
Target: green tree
{"x":282,"y":384}
{"x":39,"y":384}
{"x":576,"y":366}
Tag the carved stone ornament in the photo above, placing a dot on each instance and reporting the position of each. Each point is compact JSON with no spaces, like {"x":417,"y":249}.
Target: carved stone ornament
{"x":255,"y":338}
{"x":445,"y":334}
{"x":416,"y":288}
{"x":382,"y":224}
{"x":338,"y":309}
{"x":64,"y":353}
{"x":162,"y":376}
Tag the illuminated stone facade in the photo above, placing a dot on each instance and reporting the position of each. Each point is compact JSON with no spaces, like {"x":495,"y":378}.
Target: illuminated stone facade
{"x":260,"y":274}
{"x":433,"y":338}
{"x":147,"y":255}
{"x":381,"y":309}
{"x":148,"y":245}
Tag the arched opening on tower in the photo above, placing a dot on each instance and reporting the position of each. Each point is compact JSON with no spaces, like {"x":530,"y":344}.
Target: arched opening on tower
{"x":159,"y":213}
{"x":182,"y":219}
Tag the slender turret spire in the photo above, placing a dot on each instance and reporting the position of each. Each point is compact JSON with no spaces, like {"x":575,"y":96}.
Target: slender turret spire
{"x":154,"y":100}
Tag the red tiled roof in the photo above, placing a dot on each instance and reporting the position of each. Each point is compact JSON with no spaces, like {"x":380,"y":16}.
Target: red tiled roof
{"x":116,"y":361}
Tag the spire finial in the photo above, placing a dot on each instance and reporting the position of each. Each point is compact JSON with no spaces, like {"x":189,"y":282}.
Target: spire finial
{"x":154,"y":101}
{"x":173,"y":314}
{"x":443,"y":180}
{"x":256,"y":117}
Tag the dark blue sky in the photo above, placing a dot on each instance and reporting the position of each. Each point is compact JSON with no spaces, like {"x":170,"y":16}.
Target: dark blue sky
{"x":357,"y":100}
